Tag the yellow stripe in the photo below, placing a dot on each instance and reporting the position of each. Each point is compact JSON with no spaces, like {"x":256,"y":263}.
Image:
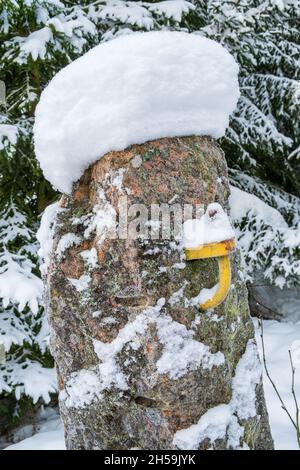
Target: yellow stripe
{"x":210,"y":250}
{"x":220,"y":250}
{"x":224,"y":284}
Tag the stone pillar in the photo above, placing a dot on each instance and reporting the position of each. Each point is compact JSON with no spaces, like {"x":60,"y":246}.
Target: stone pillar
{"x":138,"y":365}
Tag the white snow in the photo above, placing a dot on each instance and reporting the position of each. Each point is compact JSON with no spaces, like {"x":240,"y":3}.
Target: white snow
{"x":45,"y":235}
{"x":97,"y":314}
{"x":85,"y":385}
{"x":181,"y":353}
{"x":204,"y":295}
{"x":171,"y":9}
{"x":223,"y":418}
{"x":103,"y":219}
{"x":18,"y":285}
{"x":82,"y":283}
{"x":90,"y":257}
{"x":213,"y":226}
{"x":247,"y":375}
{"x":49,"y":435}
{"x":8,"y":134}
{"x":295,"y":352}
{"x":81,"y":388}
{"x":242,"y":203}
{"x":67,"y":241}
{"x":35,"y":43}
{"x":213,"y":425}
{"x":13,"y":330}
{"x":177,"y":295}
{"x":108,"y":321}
{"x":142,"y":14}
{"x":181,"y":265}
{"x":129,"y":90}
{"x":116,"y":178}
{"x":109,"y":369}
{"x":135,"y":15}
{"x":265,"y":239}
{"x":29,"y":378}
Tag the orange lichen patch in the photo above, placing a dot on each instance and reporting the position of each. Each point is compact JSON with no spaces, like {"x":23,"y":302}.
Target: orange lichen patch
{"x":102,"y":248}
{"x":81,"y":346}
{"x":192,"y":199}
{"x":135,"y":187}
{"x":113,"y":302}
{"x":61,"y":383}
{"x":101,"y":252}
{"x":167,"y":413}
{"x":162,"y":188}
{"x":64,"y":200}
{"x":81,"y":189}
{"x":73,"y":264}
{"x":106,"y":334}
{"x":113,"y":195}
{"x":110,"y":161}
{"x":73,"y":267}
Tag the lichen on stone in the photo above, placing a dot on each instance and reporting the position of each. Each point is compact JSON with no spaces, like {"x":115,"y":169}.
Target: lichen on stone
{"x":156,"y":367}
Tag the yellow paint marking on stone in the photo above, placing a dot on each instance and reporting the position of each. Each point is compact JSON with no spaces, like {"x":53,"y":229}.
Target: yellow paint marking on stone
{"x":220,"y":250}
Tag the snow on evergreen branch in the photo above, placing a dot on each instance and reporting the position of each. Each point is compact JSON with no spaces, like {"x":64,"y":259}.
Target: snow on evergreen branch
{"x":268,"y":231}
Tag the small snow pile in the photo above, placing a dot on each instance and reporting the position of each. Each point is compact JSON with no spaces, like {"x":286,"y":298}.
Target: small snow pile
{"x":45,"y":235}
{"x":130,"y":90}
{"x":181,"y":353}
{"x":81,"y":388}
{"x":213,"y":226}
{"x":212,"y":425}
{"x":82,"y":283}
{"x":222,"y":419}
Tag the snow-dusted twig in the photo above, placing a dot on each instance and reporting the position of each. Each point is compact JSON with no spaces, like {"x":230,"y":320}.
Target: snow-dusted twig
{"x":295,"y":398}
{"x":295,"y":422}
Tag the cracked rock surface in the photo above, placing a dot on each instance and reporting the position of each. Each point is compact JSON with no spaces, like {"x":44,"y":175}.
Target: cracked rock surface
{"x":138,"y":365}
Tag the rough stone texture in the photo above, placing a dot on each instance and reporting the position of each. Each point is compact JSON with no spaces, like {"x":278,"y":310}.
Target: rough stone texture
{"x":129,"y":278}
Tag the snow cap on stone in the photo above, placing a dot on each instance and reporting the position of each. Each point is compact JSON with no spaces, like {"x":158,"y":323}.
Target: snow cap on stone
{"x":213,"y":227}
{"x":130,"y":90}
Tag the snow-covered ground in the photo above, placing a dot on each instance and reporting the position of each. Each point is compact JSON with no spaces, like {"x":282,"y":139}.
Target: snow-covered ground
{"x":279,"y":338}
{"x":49,"y":434}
